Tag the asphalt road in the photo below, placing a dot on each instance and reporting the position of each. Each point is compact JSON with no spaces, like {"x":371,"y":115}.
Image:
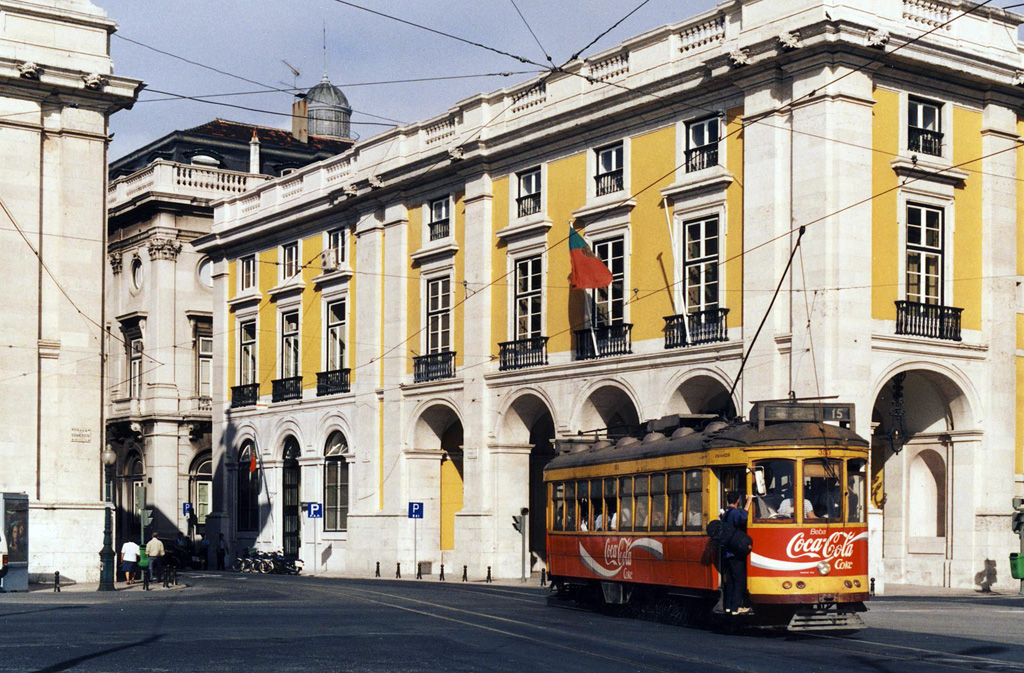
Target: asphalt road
{"x":228,"y":622}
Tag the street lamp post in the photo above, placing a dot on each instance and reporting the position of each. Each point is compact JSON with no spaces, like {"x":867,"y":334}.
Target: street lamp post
{"x":107,"y":553}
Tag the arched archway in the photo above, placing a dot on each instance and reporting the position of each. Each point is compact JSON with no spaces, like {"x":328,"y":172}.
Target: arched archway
{"x":702,"y":394}
{"x":609,"y":409}
{"x":439,"y":428}
{"x":528,"y":420}
{"x":133,"y":495}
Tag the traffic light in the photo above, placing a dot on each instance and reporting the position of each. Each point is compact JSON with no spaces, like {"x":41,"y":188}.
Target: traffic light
{"x":517,"y":523}
{"x":146,"y":517}
{"x":1018,"y":516}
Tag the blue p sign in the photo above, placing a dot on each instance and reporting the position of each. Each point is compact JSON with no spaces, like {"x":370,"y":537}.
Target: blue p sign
{"x":415,"y":510}
{"x":315,"y":510}
{"x":186,"y":508}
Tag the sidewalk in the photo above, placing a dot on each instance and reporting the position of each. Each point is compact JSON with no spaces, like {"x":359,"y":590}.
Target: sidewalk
{"x":918,"y":591}
{"x":119,"y":587}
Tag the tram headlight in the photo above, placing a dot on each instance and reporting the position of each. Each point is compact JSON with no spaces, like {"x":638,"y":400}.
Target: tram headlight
{"x":824,"y":568}
{"x":856,"y":583}
{"x":787,"y":585}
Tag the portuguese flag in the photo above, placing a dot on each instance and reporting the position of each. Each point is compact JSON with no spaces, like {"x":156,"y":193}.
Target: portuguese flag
{"x":588,"y":271}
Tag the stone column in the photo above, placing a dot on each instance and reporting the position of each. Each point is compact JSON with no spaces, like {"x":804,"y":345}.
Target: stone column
{"x":510,"y":484}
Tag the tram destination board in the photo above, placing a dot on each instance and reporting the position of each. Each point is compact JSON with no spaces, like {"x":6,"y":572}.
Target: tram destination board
{"x":790,"y":412}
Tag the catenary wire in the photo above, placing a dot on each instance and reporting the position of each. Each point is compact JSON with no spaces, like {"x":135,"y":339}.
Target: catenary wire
{"x":529,"y":28}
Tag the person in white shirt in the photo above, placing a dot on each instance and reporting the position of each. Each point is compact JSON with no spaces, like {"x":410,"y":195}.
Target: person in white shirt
{"x":785,"y":510}
{"x":129,"y":557}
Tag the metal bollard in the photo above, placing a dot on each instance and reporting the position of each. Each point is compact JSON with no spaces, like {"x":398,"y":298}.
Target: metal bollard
{"x":145,"y":579}
{"x":377,"y":573}
{"x":419,"y":571}
{"x":441,"y":578}
{"x":465,"y":577}
{"x":174,"y":577}
{"x":398,"y":570}
{"x":543,"y":577}
{"x":56,"y":582}
{"x":872,"y":586}
{"x":488,"y":574}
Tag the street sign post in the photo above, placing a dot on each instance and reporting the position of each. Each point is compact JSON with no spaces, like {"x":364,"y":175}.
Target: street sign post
{"x":315,"y":510}
{"x":415,"y":513}
{"x":186,"y":508}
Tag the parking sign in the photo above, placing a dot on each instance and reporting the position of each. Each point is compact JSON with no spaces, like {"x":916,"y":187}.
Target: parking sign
{"x":186,"y":508}
{"x":315,"y":510}
{"x":415,"y":510}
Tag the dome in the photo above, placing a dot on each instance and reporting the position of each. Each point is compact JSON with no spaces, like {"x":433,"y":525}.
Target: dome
{"x":328,"y":110}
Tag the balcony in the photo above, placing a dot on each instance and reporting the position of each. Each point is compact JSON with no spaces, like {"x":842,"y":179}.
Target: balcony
{"x":287,"y":389}
{"x":699,"y":327}
{"x":433,"y":367}
{"x":439,"y":229}
{"x":245,"y":396}
{"x":699,"y":158}
{"x":333,"y":382}
{"x":924,"y":141}
{"x":185,"y":180}
{"x":928,"y":320}
{"x":609,"y":183}
{"x":528,"y":205}
{"x":603,"y":341}
{"x":522,"y":353}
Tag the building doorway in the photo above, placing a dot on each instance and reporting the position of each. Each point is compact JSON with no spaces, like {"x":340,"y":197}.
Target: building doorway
{"x":541,"y":435}
{"x":290,"y":482}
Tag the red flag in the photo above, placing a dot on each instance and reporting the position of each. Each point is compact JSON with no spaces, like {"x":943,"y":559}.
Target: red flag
{"x":252,"y":460}
{"x":588,"y":271}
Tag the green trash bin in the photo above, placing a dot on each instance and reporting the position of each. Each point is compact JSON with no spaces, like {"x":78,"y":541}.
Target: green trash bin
{"x":1017,"y":566}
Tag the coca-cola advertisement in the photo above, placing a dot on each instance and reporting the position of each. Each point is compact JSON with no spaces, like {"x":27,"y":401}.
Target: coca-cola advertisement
{"x":799,"y":552}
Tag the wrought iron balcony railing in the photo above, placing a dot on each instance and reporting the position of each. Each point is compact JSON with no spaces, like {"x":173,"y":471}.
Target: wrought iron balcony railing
{"x":433,"y":367}
{"x":333,"y":382}
{"x":245,"y":395}
{"x":523,"y":353}
{"x":928,"y":320}
{"x":287,"y":389}
{"x":610,"y":182}
{"x":603,"y":341}
{"x":699,"y":158}
{"x":439,"y":229}
{"x":529,"y":204}
{"x":924,"y":141}
{"x":699,"y":327}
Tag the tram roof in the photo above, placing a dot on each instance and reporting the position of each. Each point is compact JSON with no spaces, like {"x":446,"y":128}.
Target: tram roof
{"x":735,"y":435}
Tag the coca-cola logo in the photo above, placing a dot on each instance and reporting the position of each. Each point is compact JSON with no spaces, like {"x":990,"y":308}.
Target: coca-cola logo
{"x":618,"y":555}
{"x":808,"y":548}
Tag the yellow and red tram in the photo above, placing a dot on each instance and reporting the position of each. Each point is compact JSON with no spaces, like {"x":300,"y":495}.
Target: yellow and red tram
{"x":629,"y":517}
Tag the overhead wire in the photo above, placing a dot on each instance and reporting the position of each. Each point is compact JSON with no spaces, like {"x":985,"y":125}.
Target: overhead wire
{"x":529,"y":28}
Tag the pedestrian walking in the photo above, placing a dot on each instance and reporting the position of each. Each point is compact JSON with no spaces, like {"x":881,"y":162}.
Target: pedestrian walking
{"x":204,"y":551}
{"x":155,"y":552}
{"x":222,"y":551}
{"x":129,"y":557}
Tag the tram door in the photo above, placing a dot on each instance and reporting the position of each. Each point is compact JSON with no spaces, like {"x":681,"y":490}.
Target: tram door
{"x":731,"y":479}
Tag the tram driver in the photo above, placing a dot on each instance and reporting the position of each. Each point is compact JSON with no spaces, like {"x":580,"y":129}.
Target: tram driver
{"x":785,"y":510}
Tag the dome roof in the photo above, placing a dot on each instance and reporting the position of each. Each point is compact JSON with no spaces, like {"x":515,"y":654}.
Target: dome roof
{"x":326,"y":94}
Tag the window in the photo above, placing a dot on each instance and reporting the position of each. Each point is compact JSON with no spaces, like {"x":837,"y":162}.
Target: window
{"x":202,"y":487}
{"x":856,"y":485}
{"x":822,"y":492}
{"x":779,"y":480}
{"x":529,"y":192}
{"x":248,"y":274}
{"x":204,"y":366}
{"x":694,"y":500}
{"x":335,"y":253}
{"x":702,"y":144}
{"x":247,"y":353}
{"x":641,"y":509}
{"x":657,"y":502}
{"x":528,"y":298}
{"x":290,"y":261}
{"x":625,"y":503}
{"x":336,"y":335}
{"x":290,"y":345}
{"x":135,"y":368}
{"x":439,"y":315}
{"x":248,"y":482}
{"x":440,"y":226}
{"x":137,"y":273}
{"x":336,"y":483}
{"x":558,"y":506}
{"x":609,"y":302}
{"x":205,"y":272}
{"x":609,"y":170}
{"x":924,"y":127}
{"x":675,"y":501}
{"x":570,"y":506}
{"x":701,"y":262}
{"x":924,"y":254}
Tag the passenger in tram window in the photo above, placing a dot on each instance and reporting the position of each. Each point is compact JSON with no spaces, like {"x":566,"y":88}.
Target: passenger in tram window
{"x":641,"y":514}
{"x":694,"y":501}
{"x":675,"y":500}
{"x":856,"y":478}
{"x":785,"y":510}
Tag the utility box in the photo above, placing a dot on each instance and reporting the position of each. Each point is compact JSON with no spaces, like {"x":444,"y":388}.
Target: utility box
{"x":14,"y":524}
{"x":1017,"y":566}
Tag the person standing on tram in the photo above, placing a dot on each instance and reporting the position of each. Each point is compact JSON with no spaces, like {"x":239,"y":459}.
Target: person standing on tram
{"x":735,"y":566}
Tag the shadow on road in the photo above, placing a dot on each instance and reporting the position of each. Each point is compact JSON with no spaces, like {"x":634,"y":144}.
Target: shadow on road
{"x":32,"y":612}
{"x":71,"y":663}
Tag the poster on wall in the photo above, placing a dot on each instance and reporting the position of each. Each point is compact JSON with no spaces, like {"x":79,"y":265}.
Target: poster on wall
{"x":16,"y":520}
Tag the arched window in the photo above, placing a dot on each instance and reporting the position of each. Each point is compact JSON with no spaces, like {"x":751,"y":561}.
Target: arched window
{"x":202,"y":487}
{"x":248,"y":478}
{"x":135,"y":471}
{"x":336,"y":483}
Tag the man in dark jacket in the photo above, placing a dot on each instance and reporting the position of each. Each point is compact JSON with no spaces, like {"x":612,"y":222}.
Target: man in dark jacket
{"x":735,"y":566}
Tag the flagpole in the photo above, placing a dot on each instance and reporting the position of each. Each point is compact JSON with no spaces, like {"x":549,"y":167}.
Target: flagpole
{"x":589,"y":316}
{"x":266,"y":487}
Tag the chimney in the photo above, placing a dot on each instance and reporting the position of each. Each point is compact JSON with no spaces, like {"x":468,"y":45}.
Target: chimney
{"x":300,"y":123}
{"x":254,"y":153}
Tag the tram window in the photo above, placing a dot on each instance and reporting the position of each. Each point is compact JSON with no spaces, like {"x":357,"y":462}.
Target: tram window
{"x":596,"y":520}
{"x":642,"y":510}
{"x":558,"y":506}
{"x":822,"y":488}
{"x":570,"y":506}
{"x":694,"y":500}
{"x":658,"y":502}
{"x":856,"y":480}
{"x":611,"y":504}
{"x":583,"y":505}
{"x":777,"y":501}
{"x":625,"y":503}
{"x":675,"y":500}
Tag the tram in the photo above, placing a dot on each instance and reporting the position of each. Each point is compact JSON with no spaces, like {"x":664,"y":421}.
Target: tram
{"x":627,"y":519}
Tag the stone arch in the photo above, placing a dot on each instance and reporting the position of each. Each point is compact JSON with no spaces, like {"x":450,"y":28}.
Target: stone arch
{"x":703,"y":391}
{"x":242,"y":434}
{"x":520,"y":413}
{"x":283,"y":429}
{"x":432,"y":420}
{"x":334,"y":422}
{"x":438,"y":427}
{"x":610,"y":406}
{"x":944,"y":397}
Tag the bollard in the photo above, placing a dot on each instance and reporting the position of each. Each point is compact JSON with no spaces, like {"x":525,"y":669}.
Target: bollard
{"x":174,"y":577}
{"x":377,"y":573}
{"x":419,"y":571}
{"x":145,"y":579}
{"x":872,"y":586}
{"x":488,"y":574}
{"x":56,"y":582}
{"x":543,"y":577}
{"x":465,"y":577}
{"x":441,"y":578}
{"x":398,"y":571}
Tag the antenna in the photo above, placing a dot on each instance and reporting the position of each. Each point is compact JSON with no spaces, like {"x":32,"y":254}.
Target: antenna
{"x":325,"y":48}
{"x":295,"y":73}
